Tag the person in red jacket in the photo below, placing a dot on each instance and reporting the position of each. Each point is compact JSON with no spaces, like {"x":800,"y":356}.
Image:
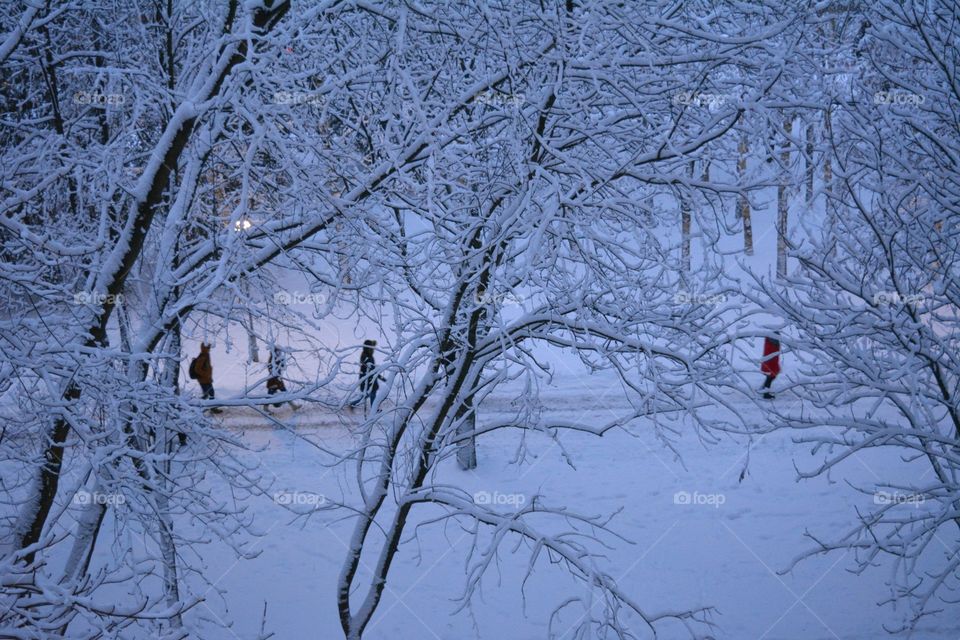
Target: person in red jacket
{"x":770,"y":364}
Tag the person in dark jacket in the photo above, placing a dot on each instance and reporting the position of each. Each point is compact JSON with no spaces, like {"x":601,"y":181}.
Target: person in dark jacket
{"x":770,"y":364}
{"x":369,"y":381}
{"x":276,"y":366}
{"x":203,"y":370}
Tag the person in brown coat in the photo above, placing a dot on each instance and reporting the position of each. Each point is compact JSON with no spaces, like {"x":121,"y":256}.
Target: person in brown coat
{"x":202,"y":369}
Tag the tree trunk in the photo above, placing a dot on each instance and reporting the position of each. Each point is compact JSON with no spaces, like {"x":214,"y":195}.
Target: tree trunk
{"x":809,"y":165}
{"x":827,"y":167}
{"x":467,"y":448}
{"x":164,"y":447}
{"x":84,"y":540}
{"x":253,"y":351}
{"x":685,"y":227}
{"x":783,"y":202}
{"x":829,"y":206}
{"x":743,"y":204}
{"x":344,"y":254}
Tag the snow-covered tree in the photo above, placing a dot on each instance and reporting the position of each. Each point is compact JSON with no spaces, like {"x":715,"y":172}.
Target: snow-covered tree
{"x":533,"y":216}
{"x":103,"y":235}
{"x":871,"y":314}
{"x":480,"y":179}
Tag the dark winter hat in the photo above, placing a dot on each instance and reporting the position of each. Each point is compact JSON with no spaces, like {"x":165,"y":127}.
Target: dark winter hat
{"x":369,"y":343}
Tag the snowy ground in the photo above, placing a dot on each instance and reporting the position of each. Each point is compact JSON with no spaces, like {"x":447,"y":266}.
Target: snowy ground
{"x":724,"y":553}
